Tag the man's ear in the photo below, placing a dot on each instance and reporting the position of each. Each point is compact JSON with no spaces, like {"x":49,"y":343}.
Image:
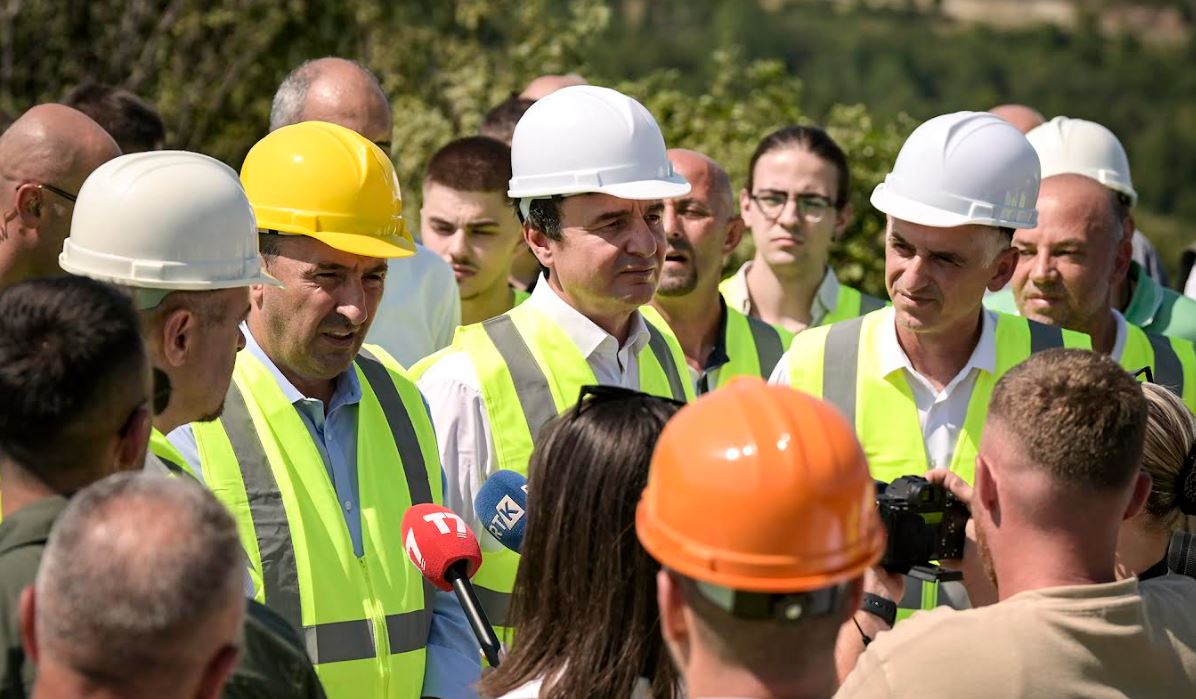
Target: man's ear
{"x":217,"y":672}
{"x":671,"y":601}
{"x":843,"y":219}
{"x":1124,"y":254}
{"x":1142,"y":485}
{"x":134,"y":440}
{"x":745,"y":207}
{"x":178,"y":336}
{"x":1003,"y":269}
{"x":538,"y":241}
{"x":30,"y":205}
{"x":27,"y":612}
{"x":986,"y":491}
{"x":735,"y":228}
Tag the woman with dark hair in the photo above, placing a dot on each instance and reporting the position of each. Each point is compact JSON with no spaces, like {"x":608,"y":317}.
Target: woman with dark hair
{"x":1147,"y":541}
{"x":584,"y":601}
{"x":796,"y":202}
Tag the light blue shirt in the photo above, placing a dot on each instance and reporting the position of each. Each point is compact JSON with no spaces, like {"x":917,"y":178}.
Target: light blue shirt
{"x":453,"y":665}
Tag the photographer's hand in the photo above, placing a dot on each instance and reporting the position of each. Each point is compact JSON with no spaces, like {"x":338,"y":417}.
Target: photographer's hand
{"x":980,"y":589}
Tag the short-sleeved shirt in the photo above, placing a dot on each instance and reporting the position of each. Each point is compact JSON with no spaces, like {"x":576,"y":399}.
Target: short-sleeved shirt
{"x":1114,"y":640}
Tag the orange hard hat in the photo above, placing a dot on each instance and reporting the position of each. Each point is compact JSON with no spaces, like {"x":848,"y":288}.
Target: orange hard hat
{"x":762,"y":489}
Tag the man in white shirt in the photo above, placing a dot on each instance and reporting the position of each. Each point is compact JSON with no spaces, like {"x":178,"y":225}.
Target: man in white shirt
{"x":589,"y":171}
{"x":420,"y":309}
{"x":915,"y":378}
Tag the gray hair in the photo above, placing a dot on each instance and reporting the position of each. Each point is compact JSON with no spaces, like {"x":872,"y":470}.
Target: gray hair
{"x":291,"y":98}
{"x":134,"y":567}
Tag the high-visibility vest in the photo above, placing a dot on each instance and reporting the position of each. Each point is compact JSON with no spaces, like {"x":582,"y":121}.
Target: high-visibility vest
{"x":849,"y":304}
{"x":365,"y":621}
{"x":882,"y":407}
{"x":1172,"y":361}
{"x":753,"y":347}
{"x":162,"y":457}
{"x":530,"y":372}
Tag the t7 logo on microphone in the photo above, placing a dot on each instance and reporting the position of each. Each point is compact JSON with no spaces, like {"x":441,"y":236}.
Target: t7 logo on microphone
{"x":442,"y":520}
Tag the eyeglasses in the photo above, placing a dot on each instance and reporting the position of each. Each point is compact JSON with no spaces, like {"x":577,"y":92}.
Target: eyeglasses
{"x":60,"y":192}
{"x":811,"y":207}
{"x":593,"y":395}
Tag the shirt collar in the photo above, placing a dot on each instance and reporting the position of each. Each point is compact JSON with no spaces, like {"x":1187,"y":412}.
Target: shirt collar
{"x":827,"y":298}
{"x":347,"y":390}
{"x":582,"y":331}
{"x":893,"y":358}
{"x":736,"y":291}
{"x":1119,"y":338}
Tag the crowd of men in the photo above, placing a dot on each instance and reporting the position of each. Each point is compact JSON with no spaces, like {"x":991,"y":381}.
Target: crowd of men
{"x":221,"y":392}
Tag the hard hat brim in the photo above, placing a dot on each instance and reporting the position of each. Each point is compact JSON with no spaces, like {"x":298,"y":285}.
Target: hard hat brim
{"x":384,"y":246}
{"x":906,"y":209}
{"x":639,"y":190}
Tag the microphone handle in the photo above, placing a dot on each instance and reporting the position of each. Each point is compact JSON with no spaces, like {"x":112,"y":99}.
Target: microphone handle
{"x":456,"y":574}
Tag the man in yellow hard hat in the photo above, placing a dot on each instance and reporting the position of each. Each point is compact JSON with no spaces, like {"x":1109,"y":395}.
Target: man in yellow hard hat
{"x":758,"y":577}
{"x":324,"y":443}
{"x":420,"y":309}
{"x":589,"y":170}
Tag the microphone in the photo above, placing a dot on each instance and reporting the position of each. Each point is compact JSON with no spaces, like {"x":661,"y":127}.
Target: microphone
{"x":501,"y":504}
{"x":447,"y":554}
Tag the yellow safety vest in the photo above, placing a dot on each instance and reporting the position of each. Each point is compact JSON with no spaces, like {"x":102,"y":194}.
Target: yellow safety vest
{"x":882,"y":407}
{"x":365,"y":621}
{"x":849,"y":304}
{"x":753,"y":347}
{"x":530,"y":372}
{"x":162,"y":457}
{"x":1172,"y":361}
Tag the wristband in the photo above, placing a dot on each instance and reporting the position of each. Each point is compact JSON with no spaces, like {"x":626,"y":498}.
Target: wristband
{"x":885,"y":610}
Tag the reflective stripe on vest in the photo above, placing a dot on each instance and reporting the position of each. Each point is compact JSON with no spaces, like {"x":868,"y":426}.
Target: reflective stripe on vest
{"x":261,"y":439}
{"x":530,"y":372}
{"x":837,"y":363}
{"x":1172,"y":361}
{"x":768,"y":343}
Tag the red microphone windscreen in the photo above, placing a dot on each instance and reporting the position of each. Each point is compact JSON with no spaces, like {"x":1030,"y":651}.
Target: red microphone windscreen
{"x":436,"y":538}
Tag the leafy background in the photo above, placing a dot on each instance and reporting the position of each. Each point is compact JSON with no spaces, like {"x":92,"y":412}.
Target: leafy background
{"x":718,"y":74}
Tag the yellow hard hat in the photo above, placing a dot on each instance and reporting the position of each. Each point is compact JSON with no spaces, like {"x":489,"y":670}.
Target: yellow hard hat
{"x":328,"y":182}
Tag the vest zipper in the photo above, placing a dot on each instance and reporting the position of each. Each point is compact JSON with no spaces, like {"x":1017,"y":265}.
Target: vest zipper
{"x":378,"y":619}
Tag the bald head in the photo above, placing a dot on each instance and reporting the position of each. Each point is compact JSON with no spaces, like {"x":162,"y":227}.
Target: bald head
{"x":547,"y":84}
{"x":1021,"y":116}
{"x":54,"y":144}
{"x":1082,"y":203}
{"x":338,"y":91}
{"x":49,"y":147}
{"x":705,"y":175}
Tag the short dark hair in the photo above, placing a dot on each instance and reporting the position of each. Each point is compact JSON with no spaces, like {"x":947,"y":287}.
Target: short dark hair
{"x":585,"y":594}
{"x":814,"y":140}
{"x":499,"y":123}
{"x":471,"y":164}
{"x":131,"y":121}
{"x":1075,"y":414}
{"x":68,"y":347}
{"x":542,"y":215}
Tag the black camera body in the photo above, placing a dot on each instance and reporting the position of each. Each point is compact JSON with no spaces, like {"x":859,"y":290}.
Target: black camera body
{"x":925,"y":523}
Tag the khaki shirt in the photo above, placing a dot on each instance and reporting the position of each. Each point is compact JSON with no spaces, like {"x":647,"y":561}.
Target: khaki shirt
{"x":1120,"y":639}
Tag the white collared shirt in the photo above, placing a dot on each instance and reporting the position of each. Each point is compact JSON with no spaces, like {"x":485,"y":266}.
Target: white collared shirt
{"x":826,"y":299}
{"x":941,"y":413}
{"x":454,"y":396}
{"x":420,"y":307}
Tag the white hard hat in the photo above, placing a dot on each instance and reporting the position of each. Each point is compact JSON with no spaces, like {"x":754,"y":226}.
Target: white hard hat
{"x":963,"y":168}
{"x":1082,"y":147}
{"x":591,"y":139}
{"x":164,"y":220}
